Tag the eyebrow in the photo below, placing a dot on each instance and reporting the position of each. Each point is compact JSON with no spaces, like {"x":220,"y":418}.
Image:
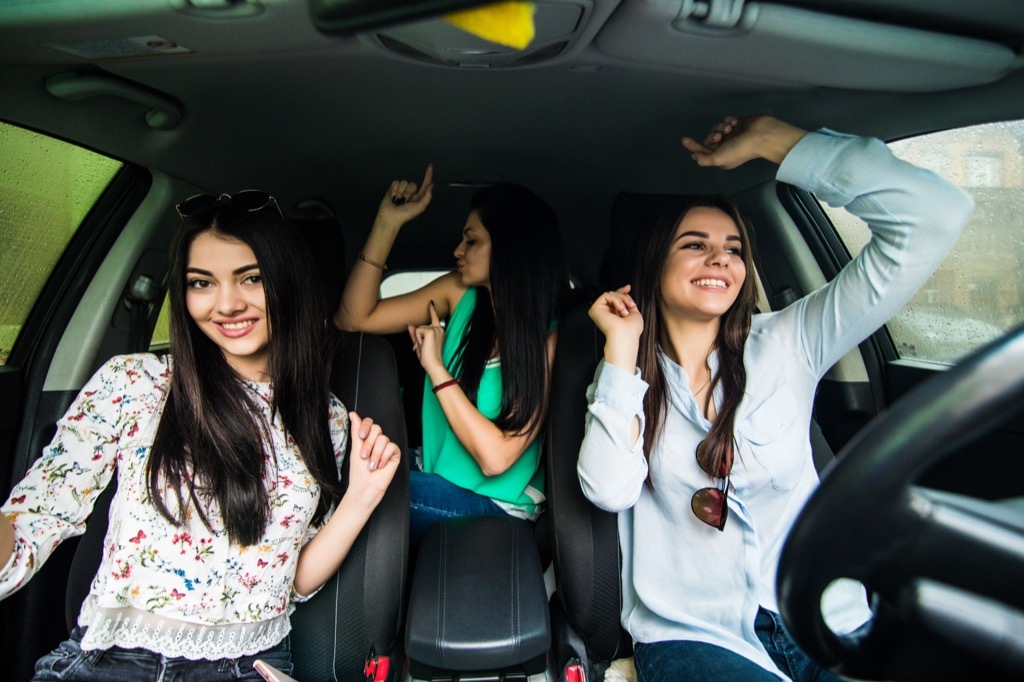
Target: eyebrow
{"x":236,"y":271}
{"x":705,"y":235}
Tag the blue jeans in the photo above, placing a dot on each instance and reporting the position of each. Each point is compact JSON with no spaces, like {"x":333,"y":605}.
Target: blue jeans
{"x":432,"y":498}
{"x":69,"y":662}
{"x":683,"y":660}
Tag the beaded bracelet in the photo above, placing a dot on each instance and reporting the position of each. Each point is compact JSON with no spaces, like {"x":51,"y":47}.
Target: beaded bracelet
{"x":362,"y":257}
{"x":445,"y":384}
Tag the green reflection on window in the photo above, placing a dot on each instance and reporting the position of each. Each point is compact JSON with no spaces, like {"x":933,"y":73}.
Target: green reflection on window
{"x":47,"y":187}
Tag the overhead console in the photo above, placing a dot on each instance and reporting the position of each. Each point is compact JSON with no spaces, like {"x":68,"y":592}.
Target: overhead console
{"x":785,"y":43}
{"x":558,"y":26}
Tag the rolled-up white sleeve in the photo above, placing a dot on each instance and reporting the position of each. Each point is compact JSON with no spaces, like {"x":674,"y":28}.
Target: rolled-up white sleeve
{"x":611,"y":469}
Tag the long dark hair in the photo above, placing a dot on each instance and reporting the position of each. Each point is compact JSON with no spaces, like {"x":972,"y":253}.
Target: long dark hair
{"x":734,"y":327}
{"x":529,"y":284}
{"x":212,"y":438}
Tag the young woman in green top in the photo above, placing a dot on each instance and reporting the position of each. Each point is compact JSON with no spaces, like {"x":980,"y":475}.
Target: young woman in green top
{"x":482,"y":414}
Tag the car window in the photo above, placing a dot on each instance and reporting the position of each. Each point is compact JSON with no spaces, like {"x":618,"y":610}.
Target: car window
{"x":978,"y":291}
{"x":404,"y":281}
{"x":161,"y":338}
{"x":47,"y":187}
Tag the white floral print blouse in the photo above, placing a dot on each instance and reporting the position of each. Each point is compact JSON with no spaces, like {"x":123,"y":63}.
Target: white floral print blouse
{"x":179,"y":591}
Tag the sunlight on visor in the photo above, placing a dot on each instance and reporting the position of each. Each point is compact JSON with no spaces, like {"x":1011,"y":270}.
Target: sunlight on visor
{"x":506,"y":23}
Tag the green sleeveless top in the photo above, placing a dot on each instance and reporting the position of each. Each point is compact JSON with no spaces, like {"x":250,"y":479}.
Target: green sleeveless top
{"x":519,"y":491}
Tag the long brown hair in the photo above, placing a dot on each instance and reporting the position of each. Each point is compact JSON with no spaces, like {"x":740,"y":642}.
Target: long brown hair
{"x":734,"y":327}
{"x":527,"y":264}
{"x":212,"y":438}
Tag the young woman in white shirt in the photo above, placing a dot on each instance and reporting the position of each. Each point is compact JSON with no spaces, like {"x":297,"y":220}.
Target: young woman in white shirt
{"x":227,"y":458}
{"x":697,"y":431}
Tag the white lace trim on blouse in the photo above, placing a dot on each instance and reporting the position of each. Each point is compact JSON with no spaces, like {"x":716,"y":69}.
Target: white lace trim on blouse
{"x":132,"y":628}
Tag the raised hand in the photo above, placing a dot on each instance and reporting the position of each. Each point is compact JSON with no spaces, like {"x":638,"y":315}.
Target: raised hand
{"x":373,"y":462}
{"x":617,"y":316}
{"x":405,"y":200}
{"x":734,"y":140}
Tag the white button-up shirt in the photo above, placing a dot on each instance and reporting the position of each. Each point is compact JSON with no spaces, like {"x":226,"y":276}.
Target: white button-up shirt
{"x":683,"y":579}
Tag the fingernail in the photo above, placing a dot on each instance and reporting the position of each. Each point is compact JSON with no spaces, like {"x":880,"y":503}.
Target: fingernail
{"x":364,"y":454}
{"x":372,"y":466}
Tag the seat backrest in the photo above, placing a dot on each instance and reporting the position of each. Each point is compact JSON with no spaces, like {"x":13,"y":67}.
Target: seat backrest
{"x":362,"y":607}
{"x":584,"y":539}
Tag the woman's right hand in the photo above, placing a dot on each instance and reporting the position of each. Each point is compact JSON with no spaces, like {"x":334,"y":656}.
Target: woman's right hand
{"x":405,"y":200}
{"x":615,"y":313}
{"x":617,"y":316}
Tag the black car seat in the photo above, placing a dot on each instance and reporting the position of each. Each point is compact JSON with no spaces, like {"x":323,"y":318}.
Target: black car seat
{"x":584,"y":539}
{"x":359,"y":611}
{"x":357,"y":617}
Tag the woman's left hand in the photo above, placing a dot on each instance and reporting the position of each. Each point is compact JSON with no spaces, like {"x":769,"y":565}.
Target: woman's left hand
{"x":427,"y":341}
{"x":374,"y":461}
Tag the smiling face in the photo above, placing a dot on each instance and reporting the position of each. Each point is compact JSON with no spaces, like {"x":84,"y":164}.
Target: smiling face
{"x":224,"y":296}
{"x":473,"y":254}
{"x":704,"y":271}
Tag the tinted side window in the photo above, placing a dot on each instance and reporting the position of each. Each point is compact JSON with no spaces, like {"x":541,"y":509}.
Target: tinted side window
{"x":978,"y":291}
{"x":47,"y":187}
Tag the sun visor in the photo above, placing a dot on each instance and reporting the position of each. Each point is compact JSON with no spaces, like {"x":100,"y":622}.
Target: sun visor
{"x":793,"y":45}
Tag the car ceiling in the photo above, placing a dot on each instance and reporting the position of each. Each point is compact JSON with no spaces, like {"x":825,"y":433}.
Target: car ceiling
{"x":267,"y":100}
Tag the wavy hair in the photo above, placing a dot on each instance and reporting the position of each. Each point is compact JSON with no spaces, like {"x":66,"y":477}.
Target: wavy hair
{"x":734,"y":327}
{"x":212,"y":439}
{"x":529,"y":285}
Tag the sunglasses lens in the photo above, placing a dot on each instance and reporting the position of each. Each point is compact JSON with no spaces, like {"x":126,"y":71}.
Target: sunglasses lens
{"x":702,"y":460}
{"x":709,"y":505}
{"x":193,"y":205}
{"x":250,"y":200}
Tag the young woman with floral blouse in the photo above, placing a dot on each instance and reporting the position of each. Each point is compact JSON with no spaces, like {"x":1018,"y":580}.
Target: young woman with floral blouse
{"x":226,"y":456}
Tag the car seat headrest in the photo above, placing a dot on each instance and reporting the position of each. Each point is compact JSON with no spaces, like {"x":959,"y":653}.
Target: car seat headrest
{"x":631,"y":214}
{"x":326,"y":243}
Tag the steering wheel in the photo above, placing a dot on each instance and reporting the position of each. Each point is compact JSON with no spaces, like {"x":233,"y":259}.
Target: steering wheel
{"x":946,"y":572}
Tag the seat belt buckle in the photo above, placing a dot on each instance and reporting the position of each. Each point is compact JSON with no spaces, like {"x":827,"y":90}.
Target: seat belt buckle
{"x":376,"y":668}
{"x":574,"y":671}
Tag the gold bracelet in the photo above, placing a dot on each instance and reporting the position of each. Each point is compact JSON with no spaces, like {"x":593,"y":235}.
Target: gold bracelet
{"x":382,"y":266}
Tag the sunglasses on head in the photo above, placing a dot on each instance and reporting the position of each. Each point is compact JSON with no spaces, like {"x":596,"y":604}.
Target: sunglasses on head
{"x":248,"y":200}
{"x":711,"y":504}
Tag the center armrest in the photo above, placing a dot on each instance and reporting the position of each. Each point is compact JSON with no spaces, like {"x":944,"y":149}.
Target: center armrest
{"x":478,"y":600}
